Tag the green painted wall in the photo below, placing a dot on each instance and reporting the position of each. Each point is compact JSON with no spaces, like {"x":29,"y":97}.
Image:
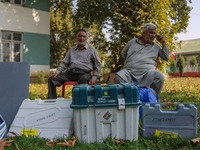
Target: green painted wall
{"x":43,"y":5}
{"x":36,"y":48}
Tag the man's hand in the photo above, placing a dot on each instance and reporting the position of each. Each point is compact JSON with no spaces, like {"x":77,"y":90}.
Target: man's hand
{"x":54,"y":75}
{"x":92,"y":82}
{"x":161,"y":39}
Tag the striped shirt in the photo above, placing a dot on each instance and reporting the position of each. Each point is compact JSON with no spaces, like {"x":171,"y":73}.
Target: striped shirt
{"x":86,"y":59}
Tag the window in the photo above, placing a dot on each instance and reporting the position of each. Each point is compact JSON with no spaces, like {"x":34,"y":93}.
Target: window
{"x":18,"y":2}
{"x":11,"y":47}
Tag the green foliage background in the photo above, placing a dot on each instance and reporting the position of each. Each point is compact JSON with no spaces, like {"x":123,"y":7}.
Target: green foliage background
{"x":181,"y":64}
{"x":124,"y":20}
{"x":193,"y":61}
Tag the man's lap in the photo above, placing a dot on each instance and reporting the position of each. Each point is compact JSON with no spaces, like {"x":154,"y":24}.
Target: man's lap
{"x":69,"y":76}
{"x":144,"y":78}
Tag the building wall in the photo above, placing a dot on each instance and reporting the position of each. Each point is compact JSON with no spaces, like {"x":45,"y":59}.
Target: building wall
{"x":37,"y":52}
{"x":188,"y":58}
{"x":33,"y":20}
{"x":43,"y":5}
{"x":35,"y":49}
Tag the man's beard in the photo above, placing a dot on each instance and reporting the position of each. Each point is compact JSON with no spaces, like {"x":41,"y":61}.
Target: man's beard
{"x":149,"y":40}
{"x":81,"y":43}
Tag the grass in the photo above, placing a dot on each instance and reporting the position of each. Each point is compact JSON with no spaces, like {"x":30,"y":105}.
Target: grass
{"x":37,"y":90}
{"x":152,"y":142}
{"x":185,"y":90}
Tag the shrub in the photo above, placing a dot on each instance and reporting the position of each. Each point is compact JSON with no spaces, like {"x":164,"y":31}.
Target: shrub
{"x":186,"y":74}
{"x":193,"y":61}
{"x":173,"y":63}
{"x":41,"y":76}
{"x":181,"y":64}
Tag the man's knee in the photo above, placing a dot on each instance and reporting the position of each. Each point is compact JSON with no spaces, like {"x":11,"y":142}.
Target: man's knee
{"x":84,"y":79}
{"x":50,"y":79}
{"x":159,"y":76}
{"x":118,"y":79}
{"x":55,"y":81}
{"x":158,"y":82}
{"x":123,"y":76}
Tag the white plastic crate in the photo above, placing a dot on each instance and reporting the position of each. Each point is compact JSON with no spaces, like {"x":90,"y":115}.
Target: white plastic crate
{"x":101,"y":111}
{"x":96,"y":124}
{"x":46,"y":118}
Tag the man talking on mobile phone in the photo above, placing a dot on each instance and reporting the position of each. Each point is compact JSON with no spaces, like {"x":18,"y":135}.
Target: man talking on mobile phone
{"x":140,"y":55}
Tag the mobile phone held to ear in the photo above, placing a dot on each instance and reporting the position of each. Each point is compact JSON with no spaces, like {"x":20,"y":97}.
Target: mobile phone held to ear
{"x":158,"y":37}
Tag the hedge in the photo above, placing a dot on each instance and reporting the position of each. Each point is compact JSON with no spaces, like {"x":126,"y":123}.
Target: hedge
{"x":186,"y":74}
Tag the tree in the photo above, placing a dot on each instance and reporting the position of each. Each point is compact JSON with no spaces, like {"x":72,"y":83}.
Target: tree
{"x":181,"y":64}
{"x":93,"y":11}
{"x":173,"y":65}
{"x":97,"y":38}
{"x":193,"y":61}
{"x":62,"y":30}
{"x":93,"y":25}
{"x":127,"y":19}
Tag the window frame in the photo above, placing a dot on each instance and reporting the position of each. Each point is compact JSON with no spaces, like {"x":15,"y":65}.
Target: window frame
{"x":22,"y":3}
{"x":12,"y":43}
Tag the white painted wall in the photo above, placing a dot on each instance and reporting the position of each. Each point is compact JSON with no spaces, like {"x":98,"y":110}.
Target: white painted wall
{"x":21,"y":19}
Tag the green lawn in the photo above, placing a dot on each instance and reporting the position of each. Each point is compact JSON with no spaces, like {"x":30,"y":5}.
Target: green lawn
{"x":185,"y":90}
{"x":40,"y":91}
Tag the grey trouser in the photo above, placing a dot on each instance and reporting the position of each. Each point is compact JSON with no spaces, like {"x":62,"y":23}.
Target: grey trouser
{"x":80,"y":76}
{"x":152,"y":78}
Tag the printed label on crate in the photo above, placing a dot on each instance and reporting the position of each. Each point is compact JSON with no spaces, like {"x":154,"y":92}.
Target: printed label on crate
{"x":85,"y":130}
{"x":107,"y":115}
{"x":101,"y":100}
{"x":121,"y":103}
{"x":42,"y":117}
{"x":159,"y":132}
{"x":29,"y":131}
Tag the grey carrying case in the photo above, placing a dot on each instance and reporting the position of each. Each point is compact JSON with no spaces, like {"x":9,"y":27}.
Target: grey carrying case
{"x":181,"y":121}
